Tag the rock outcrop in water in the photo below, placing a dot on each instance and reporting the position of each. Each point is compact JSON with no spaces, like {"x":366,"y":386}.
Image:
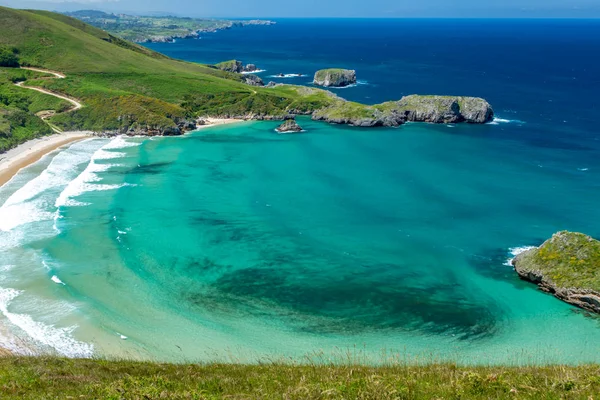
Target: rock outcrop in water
{"x":567,"y":266}
{"x":414,"y":108}
{"x":335,"y":77}
{"x":289,"y":126}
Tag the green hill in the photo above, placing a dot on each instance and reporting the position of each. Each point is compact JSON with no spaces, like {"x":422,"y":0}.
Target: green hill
{"x":125,"y":86}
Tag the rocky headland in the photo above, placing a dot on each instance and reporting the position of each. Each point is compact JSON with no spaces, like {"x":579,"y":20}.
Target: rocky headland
{"x":236,"y":66}
{"x":567,"y":266}
{"x":335,"y":77}
{"x":289,"y":126}
{"x":413,"y":108}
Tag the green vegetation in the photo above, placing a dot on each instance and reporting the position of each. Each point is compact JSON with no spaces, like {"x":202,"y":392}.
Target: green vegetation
{"x":231,"y":66}
{"x":8,"y":57}
{"x":35,"y":378}
{"x":166,"y":28}
{"x":18,"y":106}
{"x":331,"y":73}
{"x":567,"y":260}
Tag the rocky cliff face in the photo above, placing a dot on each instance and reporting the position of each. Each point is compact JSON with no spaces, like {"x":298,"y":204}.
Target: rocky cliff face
{"x":445,"y":109}
{"x":567,"y":266}
{"x":415,"y":108}
{"x":335,"y":77}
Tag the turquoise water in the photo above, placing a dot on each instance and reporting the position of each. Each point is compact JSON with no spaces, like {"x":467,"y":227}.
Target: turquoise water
{"x":236,"y":243}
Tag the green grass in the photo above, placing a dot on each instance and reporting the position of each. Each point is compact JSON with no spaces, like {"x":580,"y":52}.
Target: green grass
{"x":50,"y":378}
{"x":568,"y":259}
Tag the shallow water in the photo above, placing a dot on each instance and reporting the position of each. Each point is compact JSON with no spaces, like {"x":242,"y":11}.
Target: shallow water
{"x":239,"y":242}
{"x":236,"y":243}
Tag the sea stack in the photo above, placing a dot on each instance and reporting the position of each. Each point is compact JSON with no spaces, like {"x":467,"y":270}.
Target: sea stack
{"x":335,"y":77}
{"x":289,"y":126}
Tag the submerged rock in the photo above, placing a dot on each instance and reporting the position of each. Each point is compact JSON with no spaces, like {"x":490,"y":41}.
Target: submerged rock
{"x":335,"y":77}
{"x":289,"y":126}
{"x":567,"y":266}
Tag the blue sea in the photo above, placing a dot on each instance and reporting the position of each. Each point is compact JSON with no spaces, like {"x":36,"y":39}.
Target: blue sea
{"x":235,"y":243}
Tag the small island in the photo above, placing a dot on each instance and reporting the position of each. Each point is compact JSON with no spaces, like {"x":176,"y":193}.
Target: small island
{"x":289,"y":126}
{"x":335,"y":77}
{"x":567,"y":266}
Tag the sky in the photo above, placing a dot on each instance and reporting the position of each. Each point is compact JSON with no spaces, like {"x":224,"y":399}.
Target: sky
{"x":331,"y":8}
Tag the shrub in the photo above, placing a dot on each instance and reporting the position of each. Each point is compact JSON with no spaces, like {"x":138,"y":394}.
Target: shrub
{"x":8,"y":57}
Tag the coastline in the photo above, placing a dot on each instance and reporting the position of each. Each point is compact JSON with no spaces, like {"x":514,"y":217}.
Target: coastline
{"x":210,"y":122}
{"x":31,"y":151}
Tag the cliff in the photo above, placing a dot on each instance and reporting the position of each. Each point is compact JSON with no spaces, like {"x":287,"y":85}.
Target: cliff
{"x":335,"y":77}
{"x":567,"y":266}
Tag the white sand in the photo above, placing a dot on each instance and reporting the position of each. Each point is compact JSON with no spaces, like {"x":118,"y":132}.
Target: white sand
{"x":218,"y":121}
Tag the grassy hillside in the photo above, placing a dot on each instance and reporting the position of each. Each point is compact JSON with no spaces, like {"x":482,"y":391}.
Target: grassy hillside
{"x":49,"y":378}
{"x":123,"y":85}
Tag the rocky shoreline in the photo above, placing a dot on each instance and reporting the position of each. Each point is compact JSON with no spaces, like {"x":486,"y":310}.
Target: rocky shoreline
{"x":566,"y":266}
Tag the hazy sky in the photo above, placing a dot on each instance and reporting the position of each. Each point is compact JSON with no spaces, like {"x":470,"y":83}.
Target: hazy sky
{"x":332,"y":8}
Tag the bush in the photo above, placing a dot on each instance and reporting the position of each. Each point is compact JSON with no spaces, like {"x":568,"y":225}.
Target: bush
{"x":8,"y":57}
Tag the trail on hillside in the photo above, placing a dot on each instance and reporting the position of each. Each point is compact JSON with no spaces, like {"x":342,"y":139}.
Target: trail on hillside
{"x":44,"y":115}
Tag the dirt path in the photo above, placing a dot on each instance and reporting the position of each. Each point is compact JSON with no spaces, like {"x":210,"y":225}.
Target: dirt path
{"x":44,"y":115}
{"x":46,"y":71}
{"x":76,"y":104}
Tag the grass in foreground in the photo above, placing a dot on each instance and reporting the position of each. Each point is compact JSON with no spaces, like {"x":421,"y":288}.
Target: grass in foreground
{"x":39,"y":378}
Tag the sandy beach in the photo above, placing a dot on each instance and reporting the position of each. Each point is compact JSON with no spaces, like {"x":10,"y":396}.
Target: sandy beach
{"x":209,"y":122}
{"x":29,"y":152}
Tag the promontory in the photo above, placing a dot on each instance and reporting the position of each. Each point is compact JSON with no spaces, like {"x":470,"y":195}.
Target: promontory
{"x":567,"y":266}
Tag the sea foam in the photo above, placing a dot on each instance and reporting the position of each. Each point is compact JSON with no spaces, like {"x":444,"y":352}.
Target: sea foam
{"x":515,"y":251}
{"x":86,"y":181}
{"x":498,"y":121}
{"x":28,"y":204}
{"x":59,"y":339}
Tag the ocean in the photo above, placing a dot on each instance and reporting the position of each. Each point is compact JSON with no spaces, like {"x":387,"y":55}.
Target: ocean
{"x":235,"y":243}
